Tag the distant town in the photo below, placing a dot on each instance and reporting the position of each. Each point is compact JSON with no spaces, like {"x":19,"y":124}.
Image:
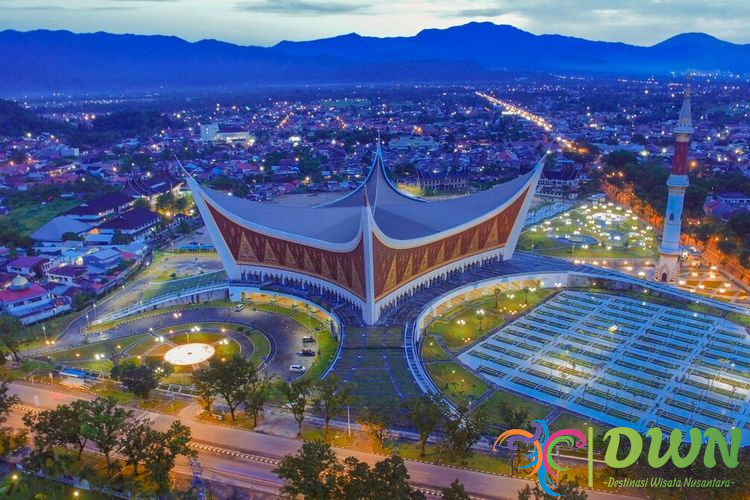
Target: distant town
{"x":88,"y":188}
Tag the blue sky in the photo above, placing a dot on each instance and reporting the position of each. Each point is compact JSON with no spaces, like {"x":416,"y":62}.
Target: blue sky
{"x":265,"y":22}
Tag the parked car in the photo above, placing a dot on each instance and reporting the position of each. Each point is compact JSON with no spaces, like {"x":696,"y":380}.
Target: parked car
{"x":308,"y":339}
{"x":296,"y":368}
{"x":307,"y":352}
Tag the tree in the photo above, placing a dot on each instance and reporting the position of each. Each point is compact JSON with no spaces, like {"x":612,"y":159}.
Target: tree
{"x":256,"y":396}
{"x":425,"y":413}
{"x":513,"y":419}
{"x":391,"y":480}
{"x":455,"y":491}
{"x":81,"y":299}
{"x":7,"y":435}
{"x":312,"y":472}
{"x":136,"y":442}
{"x":229,"y":379}
{"x":140,"y":379}
{"x":71,"y":236}
{"x":315,"y":472}
{"x":331,"y":398}
{"x":62,"y":426}
{"x":377,"y":420}
{"x":10,"y":334}
{"x":7,"y":401}
{"x":164,"y":449}
{"x":296,"y":395}
{"x":462,"y":431}
{"x":104,"y":426}
{"x":567,"y":489}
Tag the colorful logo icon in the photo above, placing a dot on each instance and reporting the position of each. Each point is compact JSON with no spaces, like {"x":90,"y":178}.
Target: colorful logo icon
{"x":541,"y":462}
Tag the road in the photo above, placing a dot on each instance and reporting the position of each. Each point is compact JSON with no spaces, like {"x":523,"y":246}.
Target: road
{"x":223,"y":467}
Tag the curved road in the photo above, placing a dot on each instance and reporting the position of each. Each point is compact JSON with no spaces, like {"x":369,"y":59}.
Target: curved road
{"x":285,"y":334}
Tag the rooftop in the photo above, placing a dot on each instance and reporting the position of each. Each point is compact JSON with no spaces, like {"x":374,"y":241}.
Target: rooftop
{"x":397,"y":215}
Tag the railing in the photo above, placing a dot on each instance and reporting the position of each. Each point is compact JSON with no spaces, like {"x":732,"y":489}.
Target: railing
{"x":156,"y":301}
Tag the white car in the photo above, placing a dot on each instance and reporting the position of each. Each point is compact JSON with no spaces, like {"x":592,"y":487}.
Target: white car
{"x":296,"y":368}
{"x":239,"y":307}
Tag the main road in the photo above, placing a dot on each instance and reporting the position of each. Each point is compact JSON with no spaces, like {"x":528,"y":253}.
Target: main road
{"x":246,"y":459}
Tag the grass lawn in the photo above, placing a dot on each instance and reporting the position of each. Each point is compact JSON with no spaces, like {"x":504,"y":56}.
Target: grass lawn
{"x":261,"y":346}
{"x":615,"y":232}
{"x":456,"y":382}
{"x":32,"y":216}
{"x":19,"y":486}
{"x":326,"y":347}
{"x":537,"y":411}
{"x":54,"y":328}
{"x":740,"y":319}
{"x":87,"y":352}
{"x":463,"y":325}
{"x":110,"y":389}
{"x":432,"y":351}
{"x":164,"y":404}
{"x":569,"y":420}
{"x":479,"y":461}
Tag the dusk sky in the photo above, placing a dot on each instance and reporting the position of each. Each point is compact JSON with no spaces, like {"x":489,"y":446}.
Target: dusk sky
{"x":265,"y":22}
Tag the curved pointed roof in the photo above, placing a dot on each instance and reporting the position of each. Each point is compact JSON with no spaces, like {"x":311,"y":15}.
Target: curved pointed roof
{"x":396,"y":214}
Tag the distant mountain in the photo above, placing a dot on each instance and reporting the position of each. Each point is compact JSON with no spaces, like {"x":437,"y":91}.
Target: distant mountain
{"x":45,"y":61}
{"x":503,"y":47}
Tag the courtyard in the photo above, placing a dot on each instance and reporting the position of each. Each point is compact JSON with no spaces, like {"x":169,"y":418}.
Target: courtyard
{"x":623,"y":361}
{"x":596,"y":229}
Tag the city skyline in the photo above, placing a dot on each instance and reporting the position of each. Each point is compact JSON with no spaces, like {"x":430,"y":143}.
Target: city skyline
{"x":263,"y":22}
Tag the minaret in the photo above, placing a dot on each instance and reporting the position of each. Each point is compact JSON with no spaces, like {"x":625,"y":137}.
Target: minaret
{"x":669,"y":251}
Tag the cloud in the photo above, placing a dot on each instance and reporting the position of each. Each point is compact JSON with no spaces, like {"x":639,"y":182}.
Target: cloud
{"x":303,"y":7}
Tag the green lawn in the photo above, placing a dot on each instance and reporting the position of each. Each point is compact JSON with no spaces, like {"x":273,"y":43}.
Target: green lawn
{"x":478,"y":461}
{"x":19,"y":486}
{"x":537,"y":411}
{"x":467,"y":322}
{"x":569,"y":420}
{"x":432,"y":351}
{"x":261,"y":346}
{"x":31,"y":216}
{"x":457,"y":383}
{"x":617,"y":234}
{"x":87,"y":352}
{"x":740,"y":319}
{"x":326,"y":348}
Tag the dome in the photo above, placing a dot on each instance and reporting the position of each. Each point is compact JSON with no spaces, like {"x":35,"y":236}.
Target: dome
{"x":19,"y":283}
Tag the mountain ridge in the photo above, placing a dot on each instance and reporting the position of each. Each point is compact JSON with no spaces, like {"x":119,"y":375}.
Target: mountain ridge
{"x":46,"y":60}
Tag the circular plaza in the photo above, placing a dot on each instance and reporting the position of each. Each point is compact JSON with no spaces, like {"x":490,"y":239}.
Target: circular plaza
{"x":189,"y":354}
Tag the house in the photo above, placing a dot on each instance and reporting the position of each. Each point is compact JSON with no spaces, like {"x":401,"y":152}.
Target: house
{"x":442,"y":180}
{"x":30,"y":267}
{"x":30,"y":302}
{"x":97,"y":210}
{"x":561,"y":179}
{"x":134,"y":223}
{"x":66,"y":275}
{"x":56,"y":230}
{"x":734,"y":199}
{"x":102,"y":261}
